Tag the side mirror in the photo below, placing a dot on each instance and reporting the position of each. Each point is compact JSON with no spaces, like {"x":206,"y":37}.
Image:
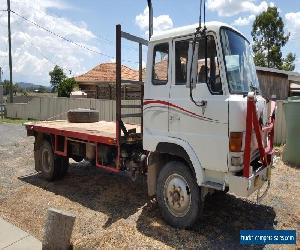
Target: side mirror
{"x":192,"y":66}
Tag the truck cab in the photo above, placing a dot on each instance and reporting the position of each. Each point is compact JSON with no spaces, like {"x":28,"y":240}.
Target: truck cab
{"x":195,"y":110}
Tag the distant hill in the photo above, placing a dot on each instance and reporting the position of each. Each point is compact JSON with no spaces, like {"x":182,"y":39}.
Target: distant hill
{"x":32,"y":86}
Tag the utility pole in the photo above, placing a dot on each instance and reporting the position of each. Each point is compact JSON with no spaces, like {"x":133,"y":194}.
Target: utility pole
{"x":10,"y":59}
{"x":0,"y":75}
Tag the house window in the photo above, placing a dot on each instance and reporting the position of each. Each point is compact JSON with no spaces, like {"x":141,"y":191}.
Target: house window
{"x":160,"y":64}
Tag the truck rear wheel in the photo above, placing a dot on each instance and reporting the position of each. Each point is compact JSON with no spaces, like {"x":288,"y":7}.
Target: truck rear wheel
{"x":52,"y":166}
{"x":178,"y":195}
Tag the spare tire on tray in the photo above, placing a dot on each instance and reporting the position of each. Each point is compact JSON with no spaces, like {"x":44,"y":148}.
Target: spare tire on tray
{"x":83,"y":116}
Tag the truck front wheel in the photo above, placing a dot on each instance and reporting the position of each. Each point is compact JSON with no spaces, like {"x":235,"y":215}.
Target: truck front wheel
{"x":52,"y":166}
{"x":178,"y":195}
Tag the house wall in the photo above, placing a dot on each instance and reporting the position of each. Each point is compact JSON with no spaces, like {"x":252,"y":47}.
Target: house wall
{"x":273,"y":84}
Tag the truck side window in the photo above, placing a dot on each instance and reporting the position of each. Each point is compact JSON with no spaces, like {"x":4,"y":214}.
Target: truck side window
{"x":181,"y":57}
{"x":213,"y":70}
{"x":160,"y":64}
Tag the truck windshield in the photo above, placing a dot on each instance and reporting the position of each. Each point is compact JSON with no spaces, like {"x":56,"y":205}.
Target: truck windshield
{"x":240,"y":68}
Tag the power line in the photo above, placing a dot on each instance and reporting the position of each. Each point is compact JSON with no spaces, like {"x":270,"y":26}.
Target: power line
{"x":60,"y":36}
{"x":44,"y":56}
{"x":48,"y":59}
{"x":98,"y":37}
{"x":67,"y":39}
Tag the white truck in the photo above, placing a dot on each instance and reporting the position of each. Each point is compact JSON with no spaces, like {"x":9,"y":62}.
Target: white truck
{"x":204,"y":123}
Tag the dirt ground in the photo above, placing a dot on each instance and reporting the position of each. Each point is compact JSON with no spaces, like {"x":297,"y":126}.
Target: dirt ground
{"x":113,"y":212}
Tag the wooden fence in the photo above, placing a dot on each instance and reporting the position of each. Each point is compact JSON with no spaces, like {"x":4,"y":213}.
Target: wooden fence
{"x":51,"y":108}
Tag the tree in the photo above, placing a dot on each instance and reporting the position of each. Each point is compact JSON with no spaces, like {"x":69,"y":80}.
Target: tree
{"x":288,"y":63}
{"x":269,"y":37}
{"x":65,"y":87}
{"x":6,"y":86}
{"x":15,"y":88}
{"x":57,"y":76}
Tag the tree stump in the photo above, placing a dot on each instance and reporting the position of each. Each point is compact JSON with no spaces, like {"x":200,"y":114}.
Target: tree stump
{"x":58,"y":230}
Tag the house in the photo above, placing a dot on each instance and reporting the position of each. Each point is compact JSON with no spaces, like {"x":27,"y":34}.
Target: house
{"x":279,"y":83}
{"x":99,"y":82}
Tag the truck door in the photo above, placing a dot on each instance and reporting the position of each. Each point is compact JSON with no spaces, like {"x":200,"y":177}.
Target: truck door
{"x":202,"y":120}
{"x":157,"y":91}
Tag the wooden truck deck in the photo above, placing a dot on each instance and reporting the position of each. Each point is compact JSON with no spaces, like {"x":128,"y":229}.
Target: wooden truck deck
{"x":102,"y":131}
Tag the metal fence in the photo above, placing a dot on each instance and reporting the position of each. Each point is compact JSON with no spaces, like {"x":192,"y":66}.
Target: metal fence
{"x":2,"y":110}
{"x":280,"y":124}
{"x":56,"y":108}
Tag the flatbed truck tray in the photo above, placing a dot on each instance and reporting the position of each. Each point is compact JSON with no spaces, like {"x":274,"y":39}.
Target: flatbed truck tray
{"x":101,"y":132}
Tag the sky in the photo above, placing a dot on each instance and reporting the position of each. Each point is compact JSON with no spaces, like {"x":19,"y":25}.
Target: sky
{"x":90,"y":25}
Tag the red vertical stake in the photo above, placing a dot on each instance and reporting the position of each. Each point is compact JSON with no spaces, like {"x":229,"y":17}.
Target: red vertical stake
{"x":118,"y":92}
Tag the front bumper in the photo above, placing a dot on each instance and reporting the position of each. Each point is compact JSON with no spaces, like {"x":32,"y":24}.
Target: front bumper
{"x":242,"y":186}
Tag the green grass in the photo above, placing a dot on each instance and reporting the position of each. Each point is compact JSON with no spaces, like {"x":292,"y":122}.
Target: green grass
{"x":12,"y":121}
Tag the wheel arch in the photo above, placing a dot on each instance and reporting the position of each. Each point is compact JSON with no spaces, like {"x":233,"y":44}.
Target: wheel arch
{"x":175,"y":148}
{"x":176,"y":151}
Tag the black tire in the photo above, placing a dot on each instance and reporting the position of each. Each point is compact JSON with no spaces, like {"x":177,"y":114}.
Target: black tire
{"x":181,"y":175}
{"x":83,"y":116}
{"x":52,"y":166}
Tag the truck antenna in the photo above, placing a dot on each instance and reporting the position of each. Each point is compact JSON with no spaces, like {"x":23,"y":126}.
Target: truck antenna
{"x":204,"y":15}
{"x":150,"y":18}
{"x":198,"y":34}
{"x":200,"y":15}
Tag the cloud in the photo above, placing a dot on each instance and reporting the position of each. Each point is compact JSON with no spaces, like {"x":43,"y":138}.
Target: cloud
{"x":243,"y":21}
{"x":234,"y":7}
{"x":292,"y":20}
{"x":35,"y":51}
{"x":160,"y":23}
{"x":293,"y":23}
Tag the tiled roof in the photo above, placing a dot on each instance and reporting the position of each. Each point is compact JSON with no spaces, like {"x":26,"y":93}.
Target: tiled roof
{"x":106,"y":72}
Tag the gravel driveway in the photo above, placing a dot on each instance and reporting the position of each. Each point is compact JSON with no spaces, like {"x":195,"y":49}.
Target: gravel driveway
{"x":114,"y":212}
{"x":11,"y":133}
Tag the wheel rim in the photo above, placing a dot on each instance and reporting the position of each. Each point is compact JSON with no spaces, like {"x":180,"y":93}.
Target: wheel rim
{"x":177,"y":195}
{"x":46,"y":161}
